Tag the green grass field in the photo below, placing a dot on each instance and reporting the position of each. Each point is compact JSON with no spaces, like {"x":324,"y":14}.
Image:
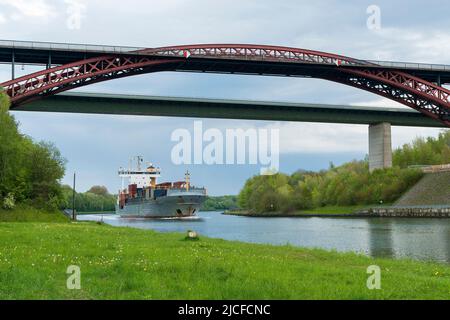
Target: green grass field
{"x":333,"y":210}
{"x":126,"y":263}
{"x":23,"y":213}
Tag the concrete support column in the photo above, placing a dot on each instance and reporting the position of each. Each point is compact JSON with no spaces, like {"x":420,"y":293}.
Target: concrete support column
{"x":380,"y":146}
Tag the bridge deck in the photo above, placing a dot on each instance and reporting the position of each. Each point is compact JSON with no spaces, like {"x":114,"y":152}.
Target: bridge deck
{"x":101,"y":103}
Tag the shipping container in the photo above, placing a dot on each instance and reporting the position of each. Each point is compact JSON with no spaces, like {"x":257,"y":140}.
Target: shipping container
{"x":160,"y":193}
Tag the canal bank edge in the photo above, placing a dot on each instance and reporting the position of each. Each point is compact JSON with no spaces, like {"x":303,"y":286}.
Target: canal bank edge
{"x":393,"y":212}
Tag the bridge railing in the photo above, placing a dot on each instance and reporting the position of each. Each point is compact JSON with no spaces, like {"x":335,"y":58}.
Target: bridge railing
{"x":411,"y":65}
{"x":256,"y":52}
{"x":67,"y":47}
{"x":107,"y":49}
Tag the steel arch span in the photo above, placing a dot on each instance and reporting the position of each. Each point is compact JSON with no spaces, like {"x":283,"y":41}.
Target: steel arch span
{"x":419,"y":94}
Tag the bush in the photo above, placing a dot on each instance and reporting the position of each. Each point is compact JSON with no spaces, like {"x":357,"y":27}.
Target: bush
{"x":9,"y":202}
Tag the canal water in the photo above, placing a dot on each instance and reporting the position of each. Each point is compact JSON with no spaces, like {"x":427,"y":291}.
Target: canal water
{"x":421,"y":239}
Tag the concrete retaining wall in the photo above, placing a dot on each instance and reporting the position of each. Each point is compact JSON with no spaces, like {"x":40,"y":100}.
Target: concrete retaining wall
{"x":408,"y":212}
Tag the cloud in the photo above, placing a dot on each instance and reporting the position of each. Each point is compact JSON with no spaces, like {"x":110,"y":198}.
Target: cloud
{"x":404,"y":135}
{"x":329,"y":138}
{"x":381,"y":102}
{"x":320,"y":138}
{"x":28,"y":9}
{"x":414,"y":44}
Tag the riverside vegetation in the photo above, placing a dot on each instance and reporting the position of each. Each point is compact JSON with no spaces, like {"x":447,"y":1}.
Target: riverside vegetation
{"x":96,"y":199}
{"x":220,"y":203}
{"x":350,"y":185}
{"x":30,"y":171}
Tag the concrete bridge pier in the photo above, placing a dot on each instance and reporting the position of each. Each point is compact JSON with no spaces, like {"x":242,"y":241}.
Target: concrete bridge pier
{"x":380,"y":146}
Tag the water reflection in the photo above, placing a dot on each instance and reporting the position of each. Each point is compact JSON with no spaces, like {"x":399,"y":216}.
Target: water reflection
{"x":427,"y":239}
{"x":447,"y":245}
{"x":423,"y":239}
{"x":380,"y":237}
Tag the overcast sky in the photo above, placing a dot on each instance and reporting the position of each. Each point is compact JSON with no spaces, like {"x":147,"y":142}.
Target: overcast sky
{"x":96,"y":145}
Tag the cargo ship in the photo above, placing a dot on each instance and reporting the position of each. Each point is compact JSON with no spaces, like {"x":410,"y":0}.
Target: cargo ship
{"x":145,"y":198}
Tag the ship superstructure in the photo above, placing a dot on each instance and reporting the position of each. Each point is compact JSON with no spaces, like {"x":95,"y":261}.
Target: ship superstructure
{"x":145,"y":197}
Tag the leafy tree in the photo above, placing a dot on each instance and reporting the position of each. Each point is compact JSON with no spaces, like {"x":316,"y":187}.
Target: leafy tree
{"x":99,"y":190}
{"x":88,"y":201}
{"x":29,"y":172}
{"x":267,"y":193}
{"x":424,"y":151}
{"x":220,"y":203}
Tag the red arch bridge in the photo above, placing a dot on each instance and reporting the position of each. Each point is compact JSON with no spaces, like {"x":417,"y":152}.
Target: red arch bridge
{"x":69,"y":66}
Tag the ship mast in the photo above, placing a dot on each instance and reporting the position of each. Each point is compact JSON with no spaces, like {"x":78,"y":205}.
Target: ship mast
{"x":187,"y":180}
{"x":139,"y":159}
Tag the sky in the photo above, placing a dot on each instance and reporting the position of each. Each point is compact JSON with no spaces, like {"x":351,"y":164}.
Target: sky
{"x":95,"y":146}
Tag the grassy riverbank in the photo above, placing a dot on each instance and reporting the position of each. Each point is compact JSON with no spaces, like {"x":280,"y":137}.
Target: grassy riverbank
{"x":126,"y":263}
{"x":23,"y":213}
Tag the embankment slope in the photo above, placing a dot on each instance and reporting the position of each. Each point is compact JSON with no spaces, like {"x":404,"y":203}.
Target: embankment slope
{"x":432,"y":189}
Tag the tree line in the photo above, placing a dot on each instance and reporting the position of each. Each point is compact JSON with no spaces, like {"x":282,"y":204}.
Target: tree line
{"x":30,"y":172}
{"x":349,"y":184}
{"x":429,"y":151}
{"x":220,"y":203}
{"x":96,"y":199}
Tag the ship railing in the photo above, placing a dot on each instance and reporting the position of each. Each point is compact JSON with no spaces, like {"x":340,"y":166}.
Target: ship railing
{"x":188,"y":190}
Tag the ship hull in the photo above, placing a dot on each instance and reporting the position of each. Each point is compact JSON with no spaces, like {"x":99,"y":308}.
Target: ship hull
{"x":176,"y":205}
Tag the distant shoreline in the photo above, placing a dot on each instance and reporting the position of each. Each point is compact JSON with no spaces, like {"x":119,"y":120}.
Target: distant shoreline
{"x":295,"y":215}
